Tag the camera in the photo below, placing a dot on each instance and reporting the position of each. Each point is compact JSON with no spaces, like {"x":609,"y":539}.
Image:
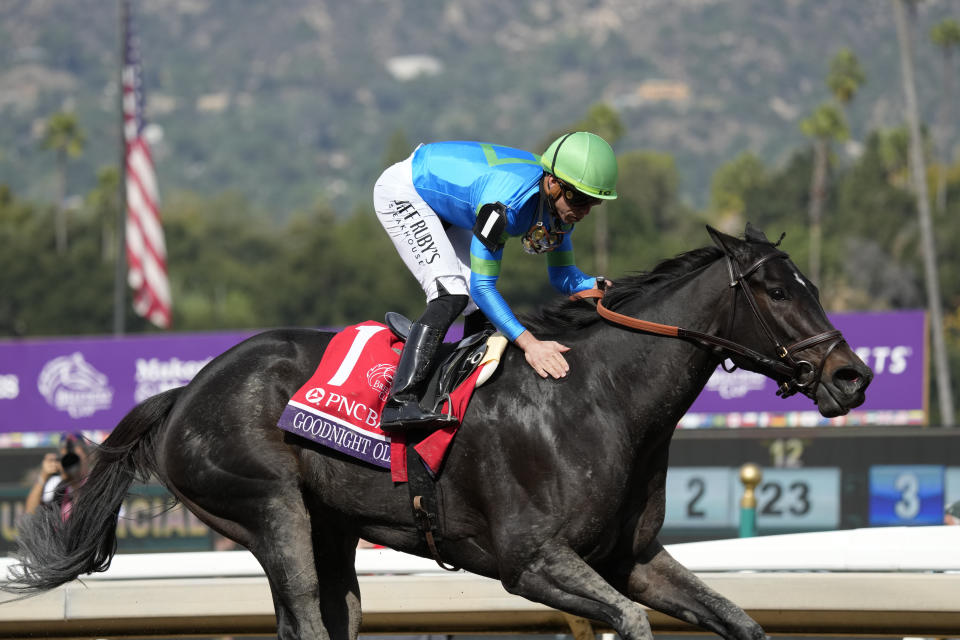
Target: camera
{"x":69,"y":461}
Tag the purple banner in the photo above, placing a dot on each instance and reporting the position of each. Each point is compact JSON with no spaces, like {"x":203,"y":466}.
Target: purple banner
{"x":893,"y":344}
{"x":89,"y":384}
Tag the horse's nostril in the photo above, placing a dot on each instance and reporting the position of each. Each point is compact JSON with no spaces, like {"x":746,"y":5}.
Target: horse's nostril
{"x":850,"y":379}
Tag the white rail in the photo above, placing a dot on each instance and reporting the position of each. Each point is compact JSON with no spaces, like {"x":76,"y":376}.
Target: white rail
{"x":876,"y":549}
{"x":901,"y":584}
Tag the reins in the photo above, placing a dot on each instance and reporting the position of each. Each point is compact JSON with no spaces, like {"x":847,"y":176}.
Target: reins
{"x":679,"y":332}
{"x":800,"y":375}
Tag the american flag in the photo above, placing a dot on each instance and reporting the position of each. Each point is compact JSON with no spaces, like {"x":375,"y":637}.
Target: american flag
{"x":146,"y":250}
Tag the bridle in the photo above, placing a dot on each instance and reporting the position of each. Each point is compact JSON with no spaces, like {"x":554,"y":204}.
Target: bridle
{"x":798,"y":375}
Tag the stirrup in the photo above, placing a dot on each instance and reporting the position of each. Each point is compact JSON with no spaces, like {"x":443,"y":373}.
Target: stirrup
{"x":407,"y":415}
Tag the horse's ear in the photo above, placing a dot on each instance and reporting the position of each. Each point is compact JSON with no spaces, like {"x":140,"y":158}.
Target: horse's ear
{"x":726,"y":242}
{"x":752,"y":234}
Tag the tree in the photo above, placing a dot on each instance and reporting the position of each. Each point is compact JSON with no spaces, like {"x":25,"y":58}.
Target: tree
{"x":729,"y":187}
{"x":904,"y":27}
{"x":945,"y":35}
{"x":845,"y":77}
{"x":649,"y":220}
{"x":397,"y":149}
{"x":603,"y":120}
{"x":825,"y":124}
{"x":103,"y":201}
{"x":64,"y":136}
{"x":894,"y":152}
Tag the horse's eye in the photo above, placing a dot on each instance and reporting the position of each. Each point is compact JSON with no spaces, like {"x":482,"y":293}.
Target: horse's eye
{"x":777,"y":294}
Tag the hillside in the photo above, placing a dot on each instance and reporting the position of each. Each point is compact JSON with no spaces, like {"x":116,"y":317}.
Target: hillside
{"x":291,"y":103}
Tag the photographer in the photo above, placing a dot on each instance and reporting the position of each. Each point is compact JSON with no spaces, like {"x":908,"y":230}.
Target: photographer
{"x":59,"y":476}
{"x":952,"y":514}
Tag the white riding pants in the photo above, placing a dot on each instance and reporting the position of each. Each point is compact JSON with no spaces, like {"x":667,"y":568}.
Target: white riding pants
{"x":432,"y":254}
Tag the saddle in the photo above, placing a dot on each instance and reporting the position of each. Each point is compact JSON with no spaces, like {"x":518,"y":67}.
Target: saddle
{"x":457,"y":361}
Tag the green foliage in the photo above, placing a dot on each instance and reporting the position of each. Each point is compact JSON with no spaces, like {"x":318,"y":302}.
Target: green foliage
{"x":826,"y":122}
{"x":601,"y":119}
{"x":846,"y":76}
{"x":64,"y":135}
{"x":232,"y":267}
{"x":732,"y":181}
{"x":45,"y":292}
{"x":397,"y":149}
{"x":219,"y":255}
{"x":946,"y":34}
{"x":894,"y":150}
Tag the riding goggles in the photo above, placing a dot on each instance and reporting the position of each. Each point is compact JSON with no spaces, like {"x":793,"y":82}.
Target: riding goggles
{"x":577,"y":198}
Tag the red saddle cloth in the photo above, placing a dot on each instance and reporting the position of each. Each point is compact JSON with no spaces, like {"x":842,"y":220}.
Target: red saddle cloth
{"x":340,"y":406}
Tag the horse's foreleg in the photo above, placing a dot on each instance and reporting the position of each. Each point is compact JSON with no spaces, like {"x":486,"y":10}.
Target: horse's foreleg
{"x":559,"y":578}
{"x":658,"y":581}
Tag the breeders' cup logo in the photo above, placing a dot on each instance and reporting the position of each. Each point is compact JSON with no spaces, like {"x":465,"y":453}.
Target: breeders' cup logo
{"x":380,"y":377}
{"x":315,"y":395}
{"x":71,"y":384}
{"x":736,"y":384}
{"x":9,"y":387}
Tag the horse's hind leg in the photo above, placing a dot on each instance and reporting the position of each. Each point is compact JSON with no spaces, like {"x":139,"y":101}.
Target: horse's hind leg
{"x":284,"y":548}
{"x":559,"y":578}
{"x":659,"y":581}
{"x":273,"y":523}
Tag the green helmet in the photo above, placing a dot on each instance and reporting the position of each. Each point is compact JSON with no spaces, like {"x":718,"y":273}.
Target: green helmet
{"x":584,"y":161}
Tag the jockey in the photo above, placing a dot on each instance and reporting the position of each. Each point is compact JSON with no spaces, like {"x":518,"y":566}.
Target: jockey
{"x":450,"y":207}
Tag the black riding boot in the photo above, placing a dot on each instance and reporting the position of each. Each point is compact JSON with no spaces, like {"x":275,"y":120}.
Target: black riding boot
{"x":403,"y":411}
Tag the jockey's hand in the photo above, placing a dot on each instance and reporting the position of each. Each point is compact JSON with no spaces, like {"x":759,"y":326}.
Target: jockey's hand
{"x":545,"y":356}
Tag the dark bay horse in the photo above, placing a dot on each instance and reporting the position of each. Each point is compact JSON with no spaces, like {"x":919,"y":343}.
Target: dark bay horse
{"x":554,"y":487}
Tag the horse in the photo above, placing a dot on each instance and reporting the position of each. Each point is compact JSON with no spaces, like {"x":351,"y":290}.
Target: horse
{"x":555,"y":487}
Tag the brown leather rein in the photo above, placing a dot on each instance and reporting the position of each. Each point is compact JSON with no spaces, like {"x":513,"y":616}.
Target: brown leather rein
{"x":800,"y":375}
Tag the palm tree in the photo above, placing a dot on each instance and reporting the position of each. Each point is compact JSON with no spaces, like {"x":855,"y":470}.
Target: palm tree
{"x":603,"y":120}
{"x":826,"y":124}
{"x":64,"y":136}
{"x":945,"y":35}
{"x":845,"y":76}
{"x":905,"y":14}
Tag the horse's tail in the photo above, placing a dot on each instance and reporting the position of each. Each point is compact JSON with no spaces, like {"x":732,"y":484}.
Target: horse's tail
{"x":54,"y":551}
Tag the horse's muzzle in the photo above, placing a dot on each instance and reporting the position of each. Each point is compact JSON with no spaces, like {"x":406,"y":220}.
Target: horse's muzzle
{"x":843,"y":384}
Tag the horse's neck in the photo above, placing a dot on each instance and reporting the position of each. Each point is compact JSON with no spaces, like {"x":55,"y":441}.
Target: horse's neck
{"x":674,"y":371}
{"x":700,"y":301}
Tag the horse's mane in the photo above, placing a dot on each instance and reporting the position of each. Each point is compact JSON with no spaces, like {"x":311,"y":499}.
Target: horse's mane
{"x":564,"y":315}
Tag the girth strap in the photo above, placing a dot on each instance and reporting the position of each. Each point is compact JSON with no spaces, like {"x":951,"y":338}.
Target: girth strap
{"x":425,"y":500}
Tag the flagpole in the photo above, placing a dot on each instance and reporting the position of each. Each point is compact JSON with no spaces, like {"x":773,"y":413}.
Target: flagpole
{"x":120,"y":272}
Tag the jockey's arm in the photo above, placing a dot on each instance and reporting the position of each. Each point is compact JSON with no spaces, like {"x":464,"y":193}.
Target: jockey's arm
{"x":484,"y":272}
{"x":545,"y":356}
{"x":563,"y":272}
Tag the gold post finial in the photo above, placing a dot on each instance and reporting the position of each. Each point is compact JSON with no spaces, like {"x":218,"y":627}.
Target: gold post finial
{"x":750,"y":475}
